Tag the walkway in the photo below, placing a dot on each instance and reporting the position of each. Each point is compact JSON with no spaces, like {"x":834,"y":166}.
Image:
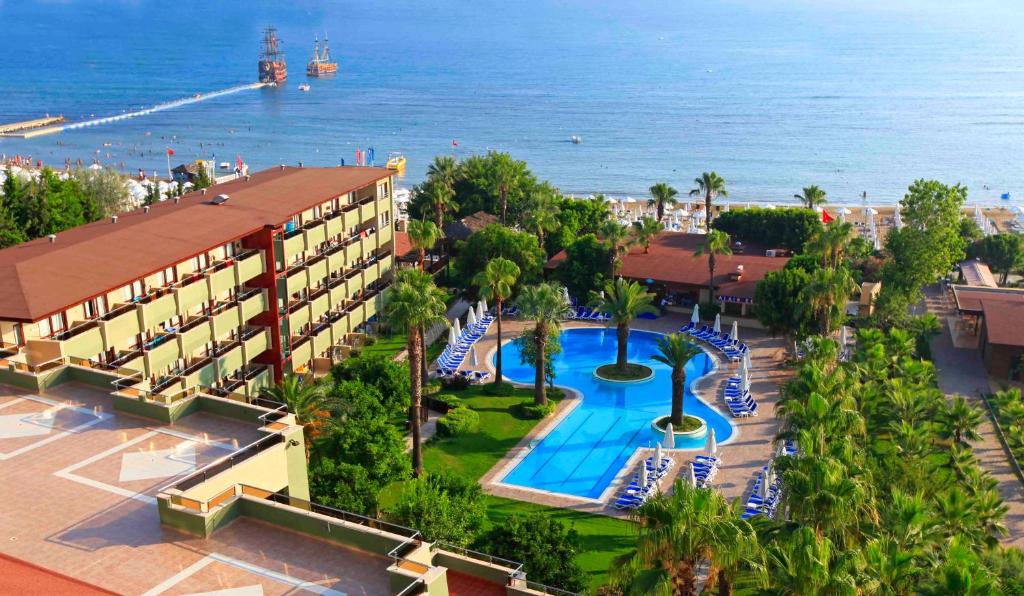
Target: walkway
{"x":961,"y":371}
{"x":748,"y":451}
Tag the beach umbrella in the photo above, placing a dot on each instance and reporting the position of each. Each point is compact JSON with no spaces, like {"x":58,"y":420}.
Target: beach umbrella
{"x":744,"y":376}
{"x":473,"y":356}
{"x":746,"y":360}
{"x":870,"y":211}
{"x":782,"y":449}
{"x":726,"y":207}
{"x":643,"y":475}
{"x":695,"y":317}
{"x":735,"y":330}
{"x":762,"y":490}
{"x":769,"y":206}
{"x":670,"y":437}
{"x":718,"y":323}
{"x":693,"y":476}
{"x":657,"y":453}
{"x":843,"y":212}
{"x":897,"y":220}
{"x":483,"y":301}
{"x":480,"y":310}
{"x":712,"y":445}
{"x":877,"y":242}
{"x":458,"y":327}
{"x":470,"y":318}
{"x":452,"y":338}
{"x":843,"y":339}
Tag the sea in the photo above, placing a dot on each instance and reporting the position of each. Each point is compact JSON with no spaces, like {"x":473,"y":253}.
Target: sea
{"x":856,"y":96}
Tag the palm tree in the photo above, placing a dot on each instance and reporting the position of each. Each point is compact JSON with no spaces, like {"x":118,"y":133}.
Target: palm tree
{"x":675,"y":350}
{"x":646,"y":229}
{"x":808,"y":564}
{"x":542,"y":212}
{"x":716,"y":242}
{"x":507,"y":173}
{"x":414,"y":303}
{"x":618,"y":238}
{"x":439,"y":197}
{"x":826,"y":295}
{"x":679,"y":532}
{"x":960,"y":421}
{"x":812,"y":197}
{"x":424,"y":235}
{"x":663,"y":195}
{"x":496,"y":282}
{"x":624,"y":300}
{"x":444,"y":169}
{"x":546,"y":305}
{"x":307,"y":401}
{"x":709,"y":186}
{"x":831,"y":242}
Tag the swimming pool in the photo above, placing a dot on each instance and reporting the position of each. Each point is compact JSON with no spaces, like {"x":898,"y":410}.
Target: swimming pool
{"x":587,"y":449}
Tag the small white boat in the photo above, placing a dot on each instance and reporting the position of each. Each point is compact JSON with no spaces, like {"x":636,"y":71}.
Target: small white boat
{"x":225,"y":165}
{"x":304,"y":87}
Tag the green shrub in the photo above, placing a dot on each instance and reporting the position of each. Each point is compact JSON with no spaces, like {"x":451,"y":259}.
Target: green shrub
{"x":546,"y":547}
{"x":531,"y":411}
{"x":458,"y":421}
{"x":369,"y":341}
{"x":456,"y":383}
{"x":556,"y":393}
{"x":450,"y":400}
{"x":442,"y":506}
{"x":432,"y":387}
{"x":499,"y":389}
{"x":708,"y":310}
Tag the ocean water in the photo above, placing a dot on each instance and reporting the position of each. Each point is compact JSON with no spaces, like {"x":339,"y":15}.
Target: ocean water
{"x":853,"y":95}
{"x":588,"y":448}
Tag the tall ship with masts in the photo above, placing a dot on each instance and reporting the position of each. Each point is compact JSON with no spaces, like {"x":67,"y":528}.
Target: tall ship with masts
{"x":272,"y":66}
{"x":321,"y":64}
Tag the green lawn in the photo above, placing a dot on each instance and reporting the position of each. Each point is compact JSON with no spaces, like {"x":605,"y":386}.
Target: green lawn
{"x":602,"y":538}
{"x":387,"y":345}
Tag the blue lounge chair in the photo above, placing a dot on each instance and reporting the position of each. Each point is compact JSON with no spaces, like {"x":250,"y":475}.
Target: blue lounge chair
{"x":686,"y":328}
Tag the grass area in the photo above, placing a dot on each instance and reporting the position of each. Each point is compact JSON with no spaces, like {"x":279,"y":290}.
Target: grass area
{"x":690,"y":423}
{"x":632,"y":372}
{"x":387,"y":345}
{"x":602,"y":538}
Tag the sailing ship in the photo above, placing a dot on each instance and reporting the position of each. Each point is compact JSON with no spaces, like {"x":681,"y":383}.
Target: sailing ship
{"x":321,"y":63}
{"x":272,"y":67}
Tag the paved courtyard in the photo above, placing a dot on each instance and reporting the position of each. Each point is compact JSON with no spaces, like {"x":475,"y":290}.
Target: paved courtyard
{"x":748,"y":451}
{"x":78,"y":494}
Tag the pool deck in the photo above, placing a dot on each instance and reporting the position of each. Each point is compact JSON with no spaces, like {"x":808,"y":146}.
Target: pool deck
{"x":745,"y":454}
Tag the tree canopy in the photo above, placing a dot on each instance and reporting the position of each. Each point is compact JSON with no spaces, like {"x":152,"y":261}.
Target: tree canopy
{"x":771,"y":228}
{"x":586,"y":266}
{"x":1003,"y":253}
{"x":499,"y":241}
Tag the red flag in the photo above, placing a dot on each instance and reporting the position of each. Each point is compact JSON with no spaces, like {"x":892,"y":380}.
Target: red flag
{"x":239,"y":162}
{"x":455,"y":143}
{"x":825,"y":217}
{"x":170,"y":152}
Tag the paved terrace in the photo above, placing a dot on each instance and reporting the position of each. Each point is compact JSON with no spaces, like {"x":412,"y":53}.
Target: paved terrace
{"x":748,"y":451}
{"x":78,"y":495}
{"x":961,"y":371}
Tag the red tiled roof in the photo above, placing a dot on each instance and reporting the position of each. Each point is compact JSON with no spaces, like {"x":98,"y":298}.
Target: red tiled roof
{"x":1003,"y":322}
{"x":21,"y":577}
{"x":971,"y":299}
{"x":40,"y":278}
{"x":671,"y":261}
{"x":403,"y":246}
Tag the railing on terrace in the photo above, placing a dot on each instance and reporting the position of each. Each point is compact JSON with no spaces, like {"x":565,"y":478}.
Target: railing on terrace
{"x":197,"y":365}
{"x":153,"y":295}
{"x":229,"y":461}
{"x":248,"y":293}
{"x":348,"y":516}
{"x":118,"y":311}
{"x":192,"y":324}
{"x":295,"y":232}
{"x":246,"y":254}
{"x":249,"y":331}
{"x":250,"y":371}
{"x":76,"y":330}
{"x":126,"y":357}
{"x":545,"y":589}
{"x":223,"y":347}
{"x":417,"y":587}
{"x":515,"y":566}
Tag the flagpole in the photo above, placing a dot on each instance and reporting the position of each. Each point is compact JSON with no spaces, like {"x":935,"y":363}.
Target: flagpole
{"x":168,"y":154}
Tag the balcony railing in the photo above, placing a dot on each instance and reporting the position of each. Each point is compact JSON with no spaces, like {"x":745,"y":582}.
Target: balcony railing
{"x":196,"y":366}
{"x":226,"y":463}
{"x":75,"y":331}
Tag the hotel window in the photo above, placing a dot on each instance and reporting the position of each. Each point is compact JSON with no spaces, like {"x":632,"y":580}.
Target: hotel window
{"x":44,"y":328}
{"x":97,"y":307}
{"x":199,"y":262}
{"x":19,"y":334}
{"x":133,"y":290}
{"x":229,"y":250}
{"x":57,"y":323}
{"x":317,"y":212}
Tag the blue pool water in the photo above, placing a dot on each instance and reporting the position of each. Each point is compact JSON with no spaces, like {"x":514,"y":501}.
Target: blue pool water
{"x":587,"y":449}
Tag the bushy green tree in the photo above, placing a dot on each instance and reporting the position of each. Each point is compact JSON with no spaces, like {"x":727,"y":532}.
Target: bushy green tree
{"x":389,"y":378}
{"x":770,"y":228}
{"x":499,"y":241}
{"x":543,"y":544}
{"x":527,"y":344}
{"x":586,"y":266}
{"x":107,"y":187}
{"x":495,"y":183}
{"x":444,"y":507}
{"x":1003,"y":253}
{"x":778,"y":303}
{"x":343,"y":485}
{"x":577,"y":218}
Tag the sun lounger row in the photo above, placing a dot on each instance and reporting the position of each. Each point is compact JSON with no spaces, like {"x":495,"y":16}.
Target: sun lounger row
{"x":731,"y":348}
{"x":582,"y":313}
{"x":764,"y":501}
{"x":740,"y":402}
{"x":705,"y":468}
{"x":635,"y":493}
{"x":453,"y":355}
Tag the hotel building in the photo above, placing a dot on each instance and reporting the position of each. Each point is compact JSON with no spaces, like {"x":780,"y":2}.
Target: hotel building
{"x":227,"y":289}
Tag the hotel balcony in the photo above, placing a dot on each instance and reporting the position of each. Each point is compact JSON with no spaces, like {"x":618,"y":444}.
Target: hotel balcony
{"x":319,"y":302}
{"x":367,"y":209}
{"x":225,"y":319}
{"x":320,"y":336}
{"x":296,"y":280}
{"x":338,"y":291}
{"x":118,"y":326}
{"x":339,"y":325}
{"x":220,"y":277}
{"x":297,"y":314}
{"x":315,"y":233}
{"x":157,"y":307}
{"x":335,"y":222}
{"x":255,"y":340}
{"x":248,"y":265}
{"x":302,"y":353}
{"x":194,"y":334}
{"x":228,"y":356}
{"x":82,"y":341}
{"x":192,"y":292}
{"x":201,"y":371}
{"x":351,"y":216}
{"x":160,"y":353}
{"x":293,"y":244}
{"x":252,"y":302}
{"x":317,"y":269}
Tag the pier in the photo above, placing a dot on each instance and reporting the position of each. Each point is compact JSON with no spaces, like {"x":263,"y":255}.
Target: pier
{"x":46,"y":126}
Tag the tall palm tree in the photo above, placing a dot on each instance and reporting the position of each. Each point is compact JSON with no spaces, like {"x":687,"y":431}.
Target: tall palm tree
{"x":624,"y":300}
{"x":507,"y":173}
{"x":545,"y":304}
{"x":812,"y":196}
{"x":960,"y":421}
{"x":496,"y":282}
{"x":716,"y":243}
{"x":415,"y":303}
{"x":709,"y":186}
{"x":618,"y":238}
{"x":808,"y":564}
{"x":675,"y":350}
{"x":826,"y":295}
{"x":831,"y":243}
{"x":310,"y":404}
{"x":678,"y":533}
{"x":645,"y":230}
{"x":542,"y":211}
{"x":444,"y":169}
{"x":440,"y":198}
{"x":424,"y":235}
{"x":663,"y":195}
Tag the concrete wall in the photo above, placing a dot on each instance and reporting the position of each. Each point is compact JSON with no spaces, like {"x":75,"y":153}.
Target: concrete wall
{"x":297,"y":520}
{"x":201,"y":525}
{"x":491,"y":573}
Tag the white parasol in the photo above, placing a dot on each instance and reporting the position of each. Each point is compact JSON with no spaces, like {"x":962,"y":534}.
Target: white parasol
{"x":712,"y":445}
{"x":670,"y":437}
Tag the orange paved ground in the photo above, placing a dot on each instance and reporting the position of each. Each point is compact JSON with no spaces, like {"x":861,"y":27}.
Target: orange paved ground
{"x":19,"y":577}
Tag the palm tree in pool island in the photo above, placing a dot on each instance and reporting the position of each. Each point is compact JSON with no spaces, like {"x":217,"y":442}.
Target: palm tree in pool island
{"x":308,"y":402}
{"x":496,"y":282}
{"x":812,"y":196}
{"x":709,"y":186}
{"x":415,"y":303}
{"x":675,"y":350}
{"x":662,"y":196}
{"x":624,"y":300}
{"x":716,"y":243}
{"x":546,"y":305}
